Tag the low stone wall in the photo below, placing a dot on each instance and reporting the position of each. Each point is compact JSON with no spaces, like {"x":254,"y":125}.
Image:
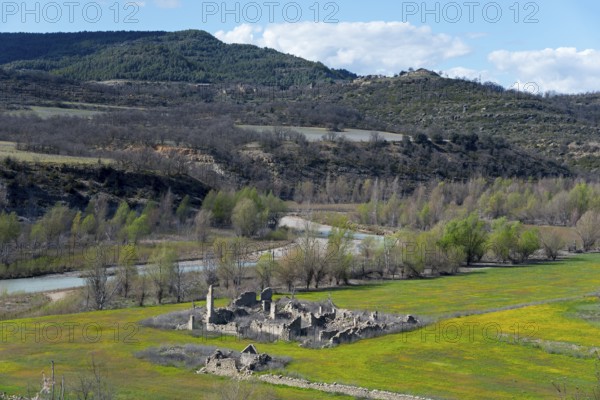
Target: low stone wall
{"x":348,"y":390}
{"x":228,"y":329}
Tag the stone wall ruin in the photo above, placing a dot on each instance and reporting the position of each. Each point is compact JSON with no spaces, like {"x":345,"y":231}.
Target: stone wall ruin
{"x":315,"y":325}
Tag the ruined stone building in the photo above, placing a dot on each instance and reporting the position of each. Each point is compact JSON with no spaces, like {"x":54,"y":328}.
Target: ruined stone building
{"x":265,"y":319}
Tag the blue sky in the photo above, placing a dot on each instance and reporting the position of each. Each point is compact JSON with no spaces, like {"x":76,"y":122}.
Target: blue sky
{"x":531,"y":45}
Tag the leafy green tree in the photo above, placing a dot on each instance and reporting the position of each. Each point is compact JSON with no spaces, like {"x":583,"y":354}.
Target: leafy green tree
{"x":504,"y":238}
{"x":495,"y":206}
{"x":274,"y":204}
{"x":10,"y":229}
{"x":579,"y":199}
{"x":425,"y":217}
{"x":221,"y":204}
{"x":237,"y":208}
{"x":527,"y":244}
{"x":467,"y":234}
{"x":183,"y":210}
{"x":512,"y":241}
{"x":55,"y":223}
{"x":38,"y":235}
{"x":246,"y":218}
{"x":88,"y":225}
{"x":119,"y":220}
{"x":138,"y":228}
{"x":127,"y":272}
{"x":152,"y":216}
{"x":121,"y":214}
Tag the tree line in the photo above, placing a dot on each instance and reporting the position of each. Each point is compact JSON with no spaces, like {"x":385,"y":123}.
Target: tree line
{"x":199,"y":142}
{"x":26,"y":246}
{"x":550,"y":201}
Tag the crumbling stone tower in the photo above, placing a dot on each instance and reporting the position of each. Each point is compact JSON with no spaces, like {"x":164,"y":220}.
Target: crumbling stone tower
{"x":210,"y":306}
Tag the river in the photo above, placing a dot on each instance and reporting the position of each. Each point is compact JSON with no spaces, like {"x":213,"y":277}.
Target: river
{"x":72,"y":280}
{"x":69,"y":280}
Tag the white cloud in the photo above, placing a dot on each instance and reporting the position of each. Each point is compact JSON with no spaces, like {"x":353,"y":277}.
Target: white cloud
{"x":167,"y":3}
{"x":362,"y":47}
{"x":462,"y":72}
{"x":564,"y":69}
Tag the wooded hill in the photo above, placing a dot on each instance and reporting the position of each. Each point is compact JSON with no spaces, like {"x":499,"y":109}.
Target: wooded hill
{"x":186,"y":56}
{"x":168,"y":102}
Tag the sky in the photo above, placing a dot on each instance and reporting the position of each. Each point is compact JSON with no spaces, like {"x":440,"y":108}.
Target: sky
{"x":534,"y":46}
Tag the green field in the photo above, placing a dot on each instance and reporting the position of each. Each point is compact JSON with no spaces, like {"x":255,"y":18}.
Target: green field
{"x":480,"y":291}
{"x":514,"y":353}
{"x":9,"y":149}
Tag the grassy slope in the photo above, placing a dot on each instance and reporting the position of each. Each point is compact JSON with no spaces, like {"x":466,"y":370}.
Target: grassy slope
{"x":21,"y":361}
{"x":483,"y":290}
{"x":8,"y":149}
{"x":433,"y":362}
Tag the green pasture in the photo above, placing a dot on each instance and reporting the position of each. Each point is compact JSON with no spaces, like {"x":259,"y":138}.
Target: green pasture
{"x":508,"y":350}
{"x":9,"y":149}
{"x":483,"y":290}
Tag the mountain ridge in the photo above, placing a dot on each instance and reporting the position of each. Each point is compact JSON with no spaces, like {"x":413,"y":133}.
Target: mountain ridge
{"x":182,"y":56}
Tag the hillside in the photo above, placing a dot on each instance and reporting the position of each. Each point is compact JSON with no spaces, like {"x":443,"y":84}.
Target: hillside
{"x":439,"y":103}
{"x":187,"y":56}
{"x":264,"y":87}
{"x":29,"y":189}
{"x":200,"y":142}
{"x":142,"y":105}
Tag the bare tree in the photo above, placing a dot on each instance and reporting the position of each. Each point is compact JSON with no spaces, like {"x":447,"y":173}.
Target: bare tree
{"x":225,"y":266}
{"x":310,"y":261}
{"x":241,"y":390}
{"x":126,"y":271}
{"x":141,"y":289}
{"x":286,"y":270}
{"x":588,"y":229}
{"x":178,"y":282}
{"x":202,"y":223}
{"x":552,"y":242}
{"x":97,"y":282}
{"x":265,"y":268}
{"x":160,"y":271}
{"x":93,"y":385}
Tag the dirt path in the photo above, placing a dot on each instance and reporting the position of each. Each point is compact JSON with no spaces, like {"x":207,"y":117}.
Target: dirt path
{"x":58,"y":295}
{"x":353,"y":391}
